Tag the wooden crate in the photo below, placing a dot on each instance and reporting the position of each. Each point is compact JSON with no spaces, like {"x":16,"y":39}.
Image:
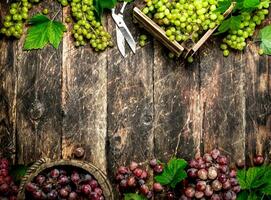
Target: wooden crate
{"x":178,"y":49}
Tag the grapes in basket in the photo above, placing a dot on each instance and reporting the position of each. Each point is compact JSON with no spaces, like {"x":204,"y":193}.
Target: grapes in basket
{"x":64,"y":183}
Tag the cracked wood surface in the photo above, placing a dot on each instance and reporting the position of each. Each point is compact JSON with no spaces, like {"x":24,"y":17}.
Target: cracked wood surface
{"x":38,"y":102}
{"x":222,"y":101}
{"x":84,"y":101}
{"x":145,"y":105}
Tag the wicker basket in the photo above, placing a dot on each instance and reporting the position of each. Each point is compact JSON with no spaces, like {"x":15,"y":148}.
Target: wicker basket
{"x":46,"y":163}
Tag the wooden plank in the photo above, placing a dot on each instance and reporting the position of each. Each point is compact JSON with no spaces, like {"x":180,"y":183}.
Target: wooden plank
{"x":130,"y":102}
{"x":38,"y":99}
{"x":258,"y":103}
{"x":84,"y":101}
{"x":176,"y":106}
{"x":222,"y":100}
{"x":8,"y":89}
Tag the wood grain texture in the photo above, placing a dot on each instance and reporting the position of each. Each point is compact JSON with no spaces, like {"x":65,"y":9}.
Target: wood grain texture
{"x":38,"y":99}
{"x":134,"y":108}
{"x":258,"y":103}
{"x":130,"y":102}
{"x":176,"y":105}
{"x":7,"y":95}
{"x":84,"y":101}
{"x":222,"y":100}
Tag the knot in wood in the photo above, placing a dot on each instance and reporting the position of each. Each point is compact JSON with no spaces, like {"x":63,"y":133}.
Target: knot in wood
{"x":79,"y":152}
{"x":37,"y":110}
{"x":147,"y":119}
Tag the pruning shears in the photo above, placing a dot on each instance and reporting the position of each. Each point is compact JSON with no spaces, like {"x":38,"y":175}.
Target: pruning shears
{"x":122,"y":32}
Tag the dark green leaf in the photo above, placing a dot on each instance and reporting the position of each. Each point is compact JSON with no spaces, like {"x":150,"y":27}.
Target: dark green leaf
{"x":134,"y":196}
{"x":181,"y":175}
{"x":241,"y":177}
{"x":223,"y":6}
{"x":251,"y":3}
{"x":243,"y":195}
{"x":38,"y":19}
{"x":239,"y":5}
{"x":101,"y":5}
{"x":254,"y":173}
{"x":164,"y":180}
{"x":36,"y":37}
{"x":173,"y":173}
{"x":42,"y":32}
{"x":265,"y":37}
{"x":253,"y":196}
{"x":266,"y":189}
{"x":108,"y":4}
{"x":233,"y":23}
{"x":262,"y":177}
{"x":17,"y":172}
{"x":55,"y":33}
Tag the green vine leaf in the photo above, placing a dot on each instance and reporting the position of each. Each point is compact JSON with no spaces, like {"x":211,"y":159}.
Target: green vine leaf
{"x":101,"y":5}
{"x":223,"y":6}
{"x":17,"y":172}
{"x":232,"y":23}
{"x":134,"y":196}
{"x":173,"y":173}
{"x":43,"y":31}
{"x":265,"y":38}
{"x":251,"y":3}
{"x":255,"y":182}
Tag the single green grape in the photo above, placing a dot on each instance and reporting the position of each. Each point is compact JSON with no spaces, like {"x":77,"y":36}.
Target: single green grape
{"x":261,"y":51}
{"x":226,"y":52}
{"x":45,"y":11}
{"x":190,"y":59}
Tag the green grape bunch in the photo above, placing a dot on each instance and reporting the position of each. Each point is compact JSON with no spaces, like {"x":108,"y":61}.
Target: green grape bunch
{"x":86,"y":28}
{"x":236,"y":39}
{"x":13,"y":21}
{"x":184,"y":19}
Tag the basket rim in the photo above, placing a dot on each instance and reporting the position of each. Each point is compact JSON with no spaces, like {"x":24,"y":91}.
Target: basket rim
{"x":46,"y":163}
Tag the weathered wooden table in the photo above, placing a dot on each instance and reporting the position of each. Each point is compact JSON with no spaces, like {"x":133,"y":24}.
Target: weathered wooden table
{"x":131,"y":109}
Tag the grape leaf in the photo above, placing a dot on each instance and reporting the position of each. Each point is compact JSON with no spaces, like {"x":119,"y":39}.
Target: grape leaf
{"x":239,"y":5}
{"x":17,"y":172}
{"x":251,"y":3}
{"x":42,"y":32}
{"x":241,"y":177}
{"x":173,"y":173}
{"x":101,"y":5}
{"x":255,"y":182}
{"x":265,"y":38}
{"x":254,"y":176}
{"x":253,"y":196}
{"x":233,"y":23}
{"x":223,"y":6}
{"x":242,"y":195}
{"x":133,"y":196}
{"x":266,"y":189}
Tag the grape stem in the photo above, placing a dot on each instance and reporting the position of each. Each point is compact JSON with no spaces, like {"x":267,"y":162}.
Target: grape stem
{"x":56,"y":14}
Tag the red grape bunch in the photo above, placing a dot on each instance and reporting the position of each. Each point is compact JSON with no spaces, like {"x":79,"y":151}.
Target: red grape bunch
{"x":134,"y":179}
{"x":60,"y":183}
{"x":210,"y":177}
{"x":8,"y":189}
